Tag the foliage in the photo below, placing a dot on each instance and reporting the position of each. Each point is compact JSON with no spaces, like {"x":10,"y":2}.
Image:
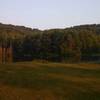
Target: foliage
{"x":61,"y":45}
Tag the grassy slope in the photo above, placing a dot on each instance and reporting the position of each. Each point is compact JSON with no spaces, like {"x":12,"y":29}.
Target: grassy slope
{"x":49,"y":81}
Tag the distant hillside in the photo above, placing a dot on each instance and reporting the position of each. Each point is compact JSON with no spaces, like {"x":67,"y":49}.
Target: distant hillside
{"x":16,"y":30}
{"x":72,"y":44}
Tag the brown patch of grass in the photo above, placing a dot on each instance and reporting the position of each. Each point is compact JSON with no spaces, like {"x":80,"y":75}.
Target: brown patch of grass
{"x":92,"y":82}
{"x":78,"y":65}
{"x":13,"y":93}
{"x":75,"y":78}
{"x":36,"y":64}
{"x":56,"y":81}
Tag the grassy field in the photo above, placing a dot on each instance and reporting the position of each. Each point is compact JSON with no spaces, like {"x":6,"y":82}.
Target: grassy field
{"x":49,"y":81}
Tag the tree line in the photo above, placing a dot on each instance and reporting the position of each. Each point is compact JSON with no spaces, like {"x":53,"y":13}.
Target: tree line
{"x":74,"y":44}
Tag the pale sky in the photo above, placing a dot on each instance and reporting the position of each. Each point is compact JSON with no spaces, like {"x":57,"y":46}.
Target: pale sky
{"x":46,"y":14}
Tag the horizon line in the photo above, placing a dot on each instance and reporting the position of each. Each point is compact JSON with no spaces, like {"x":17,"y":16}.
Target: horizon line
{"x":42,"y":29}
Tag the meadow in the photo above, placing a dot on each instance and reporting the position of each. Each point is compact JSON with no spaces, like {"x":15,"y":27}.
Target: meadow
{"x":49,"y":81}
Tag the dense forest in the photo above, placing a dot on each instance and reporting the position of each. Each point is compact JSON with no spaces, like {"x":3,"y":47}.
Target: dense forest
{"x":74,"y":44}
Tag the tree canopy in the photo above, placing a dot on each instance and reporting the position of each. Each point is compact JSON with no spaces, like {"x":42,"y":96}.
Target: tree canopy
{"x":79,"y":43}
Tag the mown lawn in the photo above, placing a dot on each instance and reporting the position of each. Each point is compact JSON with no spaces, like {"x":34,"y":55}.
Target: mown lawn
{"x":49,"y":81}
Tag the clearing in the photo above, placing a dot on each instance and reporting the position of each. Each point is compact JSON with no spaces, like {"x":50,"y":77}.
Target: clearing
{"x":49,"y":81}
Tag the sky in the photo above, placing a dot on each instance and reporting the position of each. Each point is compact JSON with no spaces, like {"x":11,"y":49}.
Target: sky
{"x":46,"y":14}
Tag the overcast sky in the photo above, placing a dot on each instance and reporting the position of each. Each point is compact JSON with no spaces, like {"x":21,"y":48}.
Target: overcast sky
{"x":45,"y":14}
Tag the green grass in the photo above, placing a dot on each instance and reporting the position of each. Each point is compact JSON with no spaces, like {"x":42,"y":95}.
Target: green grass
{"x":49,"y":81}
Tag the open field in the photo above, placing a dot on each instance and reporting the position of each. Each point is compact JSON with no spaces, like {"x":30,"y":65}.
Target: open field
{"x":49,"y":81}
